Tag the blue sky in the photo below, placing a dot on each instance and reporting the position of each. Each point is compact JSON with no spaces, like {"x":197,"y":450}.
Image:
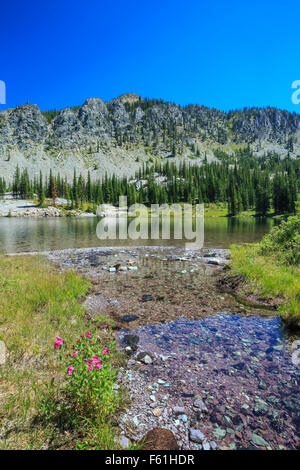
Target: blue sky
{"x":223,"y":54}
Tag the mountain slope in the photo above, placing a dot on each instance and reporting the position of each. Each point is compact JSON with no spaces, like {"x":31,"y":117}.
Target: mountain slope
{"x":117,"y":137}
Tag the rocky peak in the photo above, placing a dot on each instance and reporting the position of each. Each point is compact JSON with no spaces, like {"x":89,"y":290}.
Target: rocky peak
{"x":92,"y":114}
{"x":27,"y":122}
{"x":128,"y":98}
{"x":94,"y":105}
{"x":65,"y":123}
{"x":118,"y":113}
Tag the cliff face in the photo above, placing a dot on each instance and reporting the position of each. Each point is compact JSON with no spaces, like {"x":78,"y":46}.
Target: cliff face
{"x":120,"y":135}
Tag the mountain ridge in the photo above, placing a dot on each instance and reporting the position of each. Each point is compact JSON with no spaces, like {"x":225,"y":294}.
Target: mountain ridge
{"x":120,"y":135}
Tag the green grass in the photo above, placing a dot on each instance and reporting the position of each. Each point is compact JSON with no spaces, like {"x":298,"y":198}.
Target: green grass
{"x":220,"y":209}
{"x":37,"y":303}
{"x":269,"y":278}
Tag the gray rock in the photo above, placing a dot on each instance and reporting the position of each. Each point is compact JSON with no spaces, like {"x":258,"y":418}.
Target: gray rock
{"x":131,"y":362}
{"x":124,"y":442}
{"x":199,"y":404}
{"x":213,"y":445}
{"x":178,"y":410}
{"x":144,"y":357}
{"x":196,"y":436}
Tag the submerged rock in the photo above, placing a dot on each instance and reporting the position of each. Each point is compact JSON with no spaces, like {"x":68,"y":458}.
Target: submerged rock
{"x":146,"y":298}
{"x":198,"y":403}
{"x":132,"y":341}
{"x":159,"y":439}
{"x":178,"y":410}
{"x":144,"y":357}
{"x":196,"y":436}
{"x":129,"y":318}
{"x":258,"y":440}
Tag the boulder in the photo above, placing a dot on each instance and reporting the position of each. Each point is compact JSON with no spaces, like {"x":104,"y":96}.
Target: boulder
{"x":159,"y":439}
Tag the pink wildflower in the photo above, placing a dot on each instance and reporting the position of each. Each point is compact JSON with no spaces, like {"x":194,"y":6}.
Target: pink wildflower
{"x":105,"y":351}
{"x":75,"y":354}
{"x":58,"y":343}
{"x":70,"y":370}
{"x":88,"y":335}
{"x":90,"y":368}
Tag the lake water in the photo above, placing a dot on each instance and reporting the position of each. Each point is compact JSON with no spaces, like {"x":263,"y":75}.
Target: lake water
{"x":243,"y":369}
{"x":43,"y":234}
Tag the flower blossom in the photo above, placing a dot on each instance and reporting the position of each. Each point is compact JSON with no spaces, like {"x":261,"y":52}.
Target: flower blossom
{"x":94,"y":362}
{"x":58,"y":343}
{"x":70,"y":370}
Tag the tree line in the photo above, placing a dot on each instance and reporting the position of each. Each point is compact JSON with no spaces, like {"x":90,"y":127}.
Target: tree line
{"x":242,"y":181}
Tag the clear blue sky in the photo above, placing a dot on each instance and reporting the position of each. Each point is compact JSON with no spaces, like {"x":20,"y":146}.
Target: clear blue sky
{"x":223,"y":54}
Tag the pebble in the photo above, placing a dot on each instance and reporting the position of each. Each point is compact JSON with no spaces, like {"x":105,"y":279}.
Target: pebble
{"x":196,"y":436}
{"x":259,"y":441}
{"x":123,"y":268}
{"x":199,"y":404}
{"x":205,"y":445}
{"x":131,"y":362}
{"x":178,"y":410}
{"x":219,"y":433}
{"x":124,"y":442}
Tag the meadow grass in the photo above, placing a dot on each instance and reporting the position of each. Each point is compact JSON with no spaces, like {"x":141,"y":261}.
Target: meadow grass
{"x":269,"y":278}
{"x":37,"y":303}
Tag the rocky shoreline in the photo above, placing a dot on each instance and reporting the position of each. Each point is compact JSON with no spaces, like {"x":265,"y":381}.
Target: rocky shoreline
{"x":10,"y":207}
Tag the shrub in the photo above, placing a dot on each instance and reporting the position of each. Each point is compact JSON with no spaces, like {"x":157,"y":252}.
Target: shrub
{"x":284,"y":241}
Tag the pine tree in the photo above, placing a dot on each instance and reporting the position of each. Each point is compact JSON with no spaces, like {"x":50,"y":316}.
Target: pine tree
{"x":41,"y":192}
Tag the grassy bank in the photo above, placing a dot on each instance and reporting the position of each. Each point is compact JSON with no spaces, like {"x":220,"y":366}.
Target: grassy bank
{"x":272,"y":268}
{"x":41,"y":403}
{"x":221,"y":210}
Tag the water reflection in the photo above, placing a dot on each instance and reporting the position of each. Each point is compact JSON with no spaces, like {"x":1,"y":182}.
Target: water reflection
{"x":41,"y":234}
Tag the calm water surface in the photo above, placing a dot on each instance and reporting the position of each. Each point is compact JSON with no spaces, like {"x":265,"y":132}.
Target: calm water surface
{"x":42,"y":234}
